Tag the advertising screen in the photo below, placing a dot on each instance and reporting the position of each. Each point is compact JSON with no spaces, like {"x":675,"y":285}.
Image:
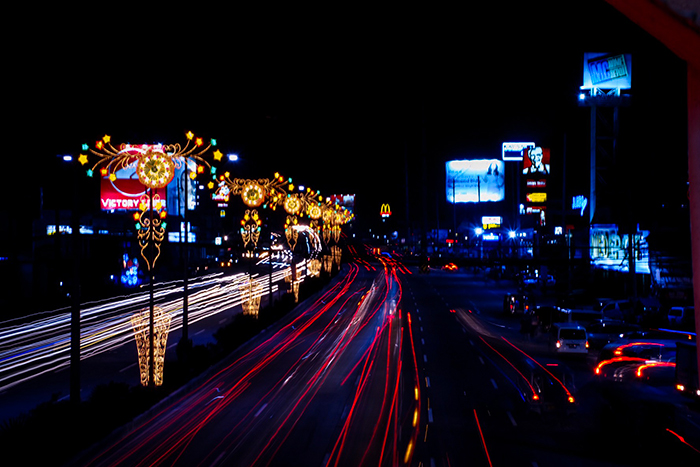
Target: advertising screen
{"x":514,"y":151}
{"x":609,"y":71}
{"x":475,"y":181}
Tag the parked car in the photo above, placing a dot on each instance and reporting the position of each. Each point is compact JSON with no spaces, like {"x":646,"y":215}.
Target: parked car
{"x":680,"y":315}
{"x":618,"y":309}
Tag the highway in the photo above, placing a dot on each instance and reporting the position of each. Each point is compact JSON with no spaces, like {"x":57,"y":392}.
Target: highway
{"x":325,"y":388}
{"x":390,"y":367}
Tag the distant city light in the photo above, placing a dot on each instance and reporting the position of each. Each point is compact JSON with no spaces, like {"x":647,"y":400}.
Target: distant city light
{"x":68,"y":158}
{"x":233,"y":157}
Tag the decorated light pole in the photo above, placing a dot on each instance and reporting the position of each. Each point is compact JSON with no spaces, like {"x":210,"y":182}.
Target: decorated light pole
{"x":155,"y":166}
{"x":280,"y":191}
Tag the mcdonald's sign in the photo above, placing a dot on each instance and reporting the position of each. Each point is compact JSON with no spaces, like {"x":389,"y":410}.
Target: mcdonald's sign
{"x":385,"y":211}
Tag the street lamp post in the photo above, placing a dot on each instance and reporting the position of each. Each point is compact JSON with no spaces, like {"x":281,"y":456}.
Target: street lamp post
{"x":155,"y":167}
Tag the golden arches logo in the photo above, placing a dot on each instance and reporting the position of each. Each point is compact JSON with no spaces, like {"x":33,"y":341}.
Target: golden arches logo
{"x":385,"y":210}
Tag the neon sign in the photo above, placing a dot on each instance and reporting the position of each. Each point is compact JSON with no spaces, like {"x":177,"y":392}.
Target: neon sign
{"x":385,"y":211}
{"x":579,"y":202}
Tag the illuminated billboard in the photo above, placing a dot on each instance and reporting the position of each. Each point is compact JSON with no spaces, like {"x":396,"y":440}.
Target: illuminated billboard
{"x":475,"y":181}
{"x":514,"y":151}
{"x":610,"y":249}
{"x":537,"y":162}
{"x":608,"y":71}
{"x":124,"y":192}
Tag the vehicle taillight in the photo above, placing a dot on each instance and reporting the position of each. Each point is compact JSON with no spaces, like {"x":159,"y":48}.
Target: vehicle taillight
{"x":558,"y":344}
{"x":586,"y":344}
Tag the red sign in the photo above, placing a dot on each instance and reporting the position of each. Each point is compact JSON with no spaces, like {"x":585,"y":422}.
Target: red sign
{"x":125,"y":193}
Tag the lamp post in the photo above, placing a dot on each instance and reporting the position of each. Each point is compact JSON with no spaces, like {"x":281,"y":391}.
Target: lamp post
{"x":155,"y":166}
{"x":280,"y":191}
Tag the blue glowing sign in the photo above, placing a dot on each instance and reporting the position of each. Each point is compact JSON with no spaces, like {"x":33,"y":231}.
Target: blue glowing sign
{"x":579,"y":202}
{"x":514,"y":151}
{"x":609,"y":71}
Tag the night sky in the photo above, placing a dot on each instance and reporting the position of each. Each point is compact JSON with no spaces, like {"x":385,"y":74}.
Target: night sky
{"x":343,"y":97}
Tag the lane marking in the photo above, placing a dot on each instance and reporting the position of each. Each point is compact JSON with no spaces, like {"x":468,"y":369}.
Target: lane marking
{"x":427,"y":381}
{"x":422,"y":341}
{"x":425,"y":358}
{"x":512,"y":420}
{"x":430,"y":415}
{"x":495,"y":386}
{"x":481,"y":360}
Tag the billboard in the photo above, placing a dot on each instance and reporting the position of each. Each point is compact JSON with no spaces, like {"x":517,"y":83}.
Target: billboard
{"x":124,"y":192}
{"x":536,"y":164}
{"x":608,"y":71}
{"x":610,"y":249}
{"x":514,"y":151}
{"x":475,"y":181}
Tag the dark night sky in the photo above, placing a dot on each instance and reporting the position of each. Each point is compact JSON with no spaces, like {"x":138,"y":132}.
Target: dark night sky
{"x":338,"y":97}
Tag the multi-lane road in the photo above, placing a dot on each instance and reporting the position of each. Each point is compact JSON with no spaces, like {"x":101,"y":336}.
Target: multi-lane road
{"x":392,"y":367}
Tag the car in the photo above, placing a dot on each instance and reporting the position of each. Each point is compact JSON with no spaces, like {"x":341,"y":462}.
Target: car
{"x":450,"y":267}
{"x":547,"y":386}
{"x":618,"y":309}
{"x":642,"y":349}
{"x":569,"y":338}
{"x":679,"y":315}
{"x":649,"y":362}
{"x":602,"y":332}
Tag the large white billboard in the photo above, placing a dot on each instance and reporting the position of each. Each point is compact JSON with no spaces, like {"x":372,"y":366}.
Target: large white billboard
{"x":607,"y":71}
{"x":475,"y":181}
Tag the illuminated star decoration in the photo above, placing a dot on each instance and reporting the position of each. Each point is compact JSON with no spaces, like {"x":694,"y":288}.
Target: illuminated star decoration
{"x":155,"y":163}
{"x":155,"y":166}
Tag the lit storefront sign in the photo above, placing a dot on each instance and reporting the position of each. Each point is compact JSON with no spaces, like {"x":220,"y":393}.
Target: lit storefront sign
{"x":491,"y":222}
{"x":385,"y":211}
{"x":536,"y":197}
